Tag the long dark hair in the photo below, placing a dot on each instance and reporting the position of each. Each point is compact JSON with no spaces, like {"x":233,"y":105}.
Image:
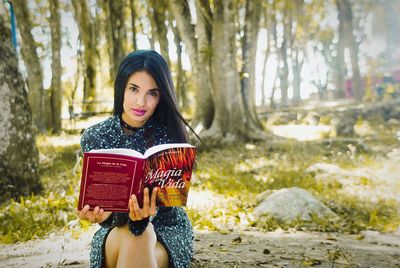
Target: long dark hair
{"x":167,"y":112}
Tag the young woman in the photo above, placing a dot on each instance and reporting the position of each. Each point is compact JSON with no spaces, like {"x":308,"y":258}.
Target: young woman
{"x":145,"y":114}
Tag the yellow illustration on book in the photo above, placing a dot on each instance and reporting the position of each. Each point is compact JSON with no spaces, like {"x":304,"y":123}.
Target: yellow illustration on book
{"x":171,"y":172}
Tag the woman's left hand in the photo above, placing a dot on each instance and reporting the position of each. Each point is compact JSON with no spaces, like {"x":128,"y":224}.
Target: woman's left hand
{"x":149,"y":205}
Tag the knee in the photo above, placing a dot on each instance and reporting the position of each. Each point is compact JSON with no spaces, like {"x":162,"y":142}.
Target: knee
{"x":147,"y":238}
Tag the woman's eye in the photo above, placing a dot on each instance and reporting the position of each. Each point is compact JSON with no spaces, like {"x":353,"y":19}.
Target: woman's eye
{"x":133,"y":89}
{"x":153,"y":93}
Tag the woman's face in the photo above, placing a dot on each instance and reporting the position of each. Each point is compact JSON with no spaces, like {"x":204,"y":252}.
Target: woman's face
{"x":141,"y":98}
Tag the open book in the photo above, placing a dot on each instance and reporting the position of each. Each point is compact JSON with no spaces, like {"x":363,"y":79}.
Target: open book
{"x":111,"y":176}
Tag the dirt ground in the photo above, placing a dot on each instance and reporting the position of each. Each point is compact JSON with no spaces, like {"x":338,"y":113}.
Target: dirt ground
{"x":248,"y":249}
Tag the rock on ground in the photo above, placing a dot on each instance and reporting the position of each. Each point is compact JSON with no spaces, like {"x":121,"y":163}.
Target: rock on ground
{"x":293,"y":203}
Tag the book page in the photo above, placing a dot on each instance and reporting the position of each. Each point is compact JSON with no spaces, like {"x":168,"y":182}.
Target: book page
{"x":162,"y":147}
{"x":119,"y":151}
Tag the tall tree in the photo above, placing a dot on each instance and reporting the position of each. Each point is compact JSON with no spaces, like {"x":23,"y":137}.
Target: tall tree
{"x":56,"y":71}
{"x":32,"y":62}
{"x":345,"y":15}
{"x":18,"y":152}
{"x":117,"y":22}
{"x":181,"y":78}
{"x":392,"y":21}
{"x":132,"y":7}
{"x":282,"y":42}
{"x":200,"y":53}
{"x":249,"y":50}
{"x":266,"y":24}
{"x":298,"y":45}
{"x":157,"y":10}
{"x":87,"y":33}
{"x":213,"y":55}
{"x":284,"y":64}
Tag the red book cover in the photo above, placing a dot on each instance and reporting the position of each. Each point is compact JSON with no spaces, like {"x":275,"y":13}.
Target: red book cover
{"x":111,"y":176}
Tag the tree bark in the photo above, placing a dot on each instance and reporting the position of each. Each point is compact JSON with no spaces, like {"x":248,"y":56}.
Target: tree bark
{"x":157,"y":15}
{"x":204,"y":112}
{"x":268,"y":25}
{"x":249,"y":50}
{"x":215,"y":67}
{"x":132,"y":7}
{"x":116,"y":19}
{"x":392,"y":21}
{"x":180,"y":77}
{"x":340,"y":64}
{"x":346,"y":8}
{"x":87,"y":35}
{"x":199,"y":52}
{"x":181,"y":13}
{"x":56,"y":89}
{"x":32,"y":62}
{"x":18,"y":153}
{"x":229,"y":122}
{"x":297,"y":66}
{"x":284,"y":71}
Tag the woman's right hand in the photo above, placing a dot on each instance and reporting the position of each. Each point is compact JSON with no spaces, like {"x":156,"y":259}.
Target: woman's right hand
{"x":97,"y":215}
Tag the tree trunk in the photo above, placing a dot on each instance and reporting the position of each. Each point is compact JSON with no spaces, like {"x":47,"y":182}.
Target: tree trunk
{"x":132,"y":7}
{"x":297,"y":66}
{"x":181,"y":13}
{"x":229,"y":119}
{"x":116,"y":19}
{"x":284,"y":72}
{"x":87,"y":35}
{"x":214,"y":53}
{"x":32,"y":63}
{"x":181,"y":79}
{"x":392,"y":21}
{"x":346,"y":9}
{"x":199,"y":52}
{"x":339,"y":60}
{"x":18,"y":152}
{"x":274,"y":34}
{"x":157,"y":16}
{"x":204,"y":112}
{"x":267,"y":54}
{"x":106,"y":28}
{"x":249,"y":50}
{"x":264,"y":75}
{"x":56,"y":89}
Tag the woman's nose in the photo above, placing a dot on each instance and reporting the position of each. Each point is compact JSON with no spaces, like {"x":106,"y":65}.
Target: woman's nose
{"x":140,"y":100}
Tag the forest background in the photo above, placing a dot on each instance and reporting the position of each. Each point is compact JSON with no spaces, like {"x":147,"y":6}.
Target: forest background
{"x":287,"y":94}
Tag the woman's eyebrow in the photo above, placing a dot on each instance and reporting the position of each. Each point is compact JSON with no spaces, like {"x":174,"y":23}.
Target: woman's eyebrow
{"x":134,"y":85}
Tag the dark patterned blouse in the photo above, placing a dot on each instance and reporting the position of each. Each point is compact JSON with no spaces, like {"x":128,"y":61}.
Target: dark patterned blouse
{"x":171,"y":224}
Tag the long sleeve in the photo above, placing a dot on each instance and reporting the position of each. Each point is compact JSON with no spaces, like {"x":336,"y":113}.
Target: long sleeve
{"x":107,"y":223}
{"x":138,"y":227}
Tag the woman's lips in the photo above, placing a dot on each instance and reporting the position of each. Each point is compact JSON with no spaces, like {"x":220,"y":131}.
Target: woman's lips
{"x":139,"y":112}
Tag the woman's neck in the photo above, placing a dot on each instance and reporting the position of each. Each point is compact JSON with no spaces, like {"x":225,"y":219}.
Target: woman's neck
{"x":128,"y":126}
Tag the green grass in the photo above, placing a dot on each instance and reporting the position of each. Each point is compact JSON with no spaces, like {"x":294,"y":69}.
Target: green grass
{"x":38,"y":215}
{"x":238,"y":173}
{"x":274,"y":167}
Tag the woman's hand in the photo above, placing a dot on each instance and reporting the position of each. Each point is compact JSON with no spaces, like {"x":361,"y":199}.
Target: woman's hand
{"x":149,"y":206}
{"x":97,"y":215}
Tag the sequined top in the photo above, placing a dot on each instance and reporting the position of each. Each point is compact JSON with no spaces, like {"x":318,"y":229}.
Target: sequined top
{"x":171,"y":224}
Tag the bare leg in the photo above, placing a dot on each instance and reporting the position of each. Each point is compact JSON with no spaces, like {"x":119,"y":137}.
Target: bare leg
{"x":123,"y":249}
{"x":161,"y":256}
